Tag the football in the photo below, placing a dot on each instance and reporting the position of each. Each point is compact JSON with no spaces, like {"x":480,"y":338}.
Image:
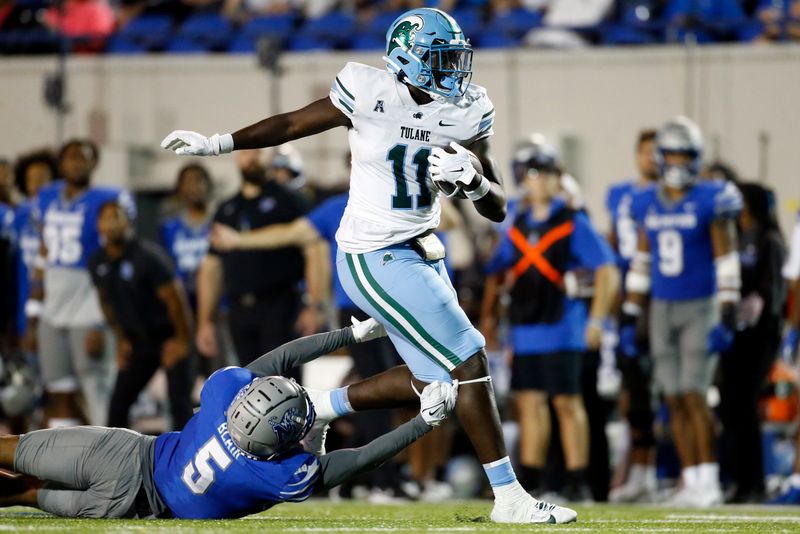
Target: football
{"x":449,"y":189}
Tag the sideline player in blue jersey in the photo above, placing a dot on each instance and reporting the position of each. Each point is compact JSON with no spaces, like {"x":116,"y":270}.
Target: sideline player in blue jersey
{"x":239,"y":454}
{"x":633,"y":359}
{"x":185,"y":236}
{"x":687,"y":260}
{"x":70,"y":324}
{"x":33,"y":172}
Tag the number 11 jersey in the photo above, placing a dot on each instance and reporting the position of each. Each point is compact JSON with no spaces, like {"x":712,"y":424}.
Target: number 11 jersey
{"x":391,"y":197}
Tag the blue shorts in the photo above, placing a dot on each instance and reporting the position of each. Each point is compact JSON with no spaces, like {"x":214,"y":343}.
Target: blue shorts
{"x":417,"y":304}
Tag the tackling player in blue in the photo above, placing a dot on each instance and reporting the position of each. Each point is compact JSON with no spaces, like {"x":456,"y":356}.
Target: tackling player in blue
{"x":239,"y":454}
{"x":687,"y":261}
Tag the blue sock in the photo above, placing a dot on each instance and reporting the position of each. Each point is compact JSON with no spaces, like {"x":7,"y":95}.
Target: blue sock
{"x":500,"y":472}
{"x":340,"y":402}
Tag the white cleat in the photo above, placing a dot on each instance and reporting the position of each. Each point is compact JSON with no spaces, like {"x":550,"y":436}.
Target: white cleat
{"x":708,"y":496}
{"x":683,"y":498}
{"x":314,"y":441}
{"x":532,"y":511}
{"x":631,"y":493}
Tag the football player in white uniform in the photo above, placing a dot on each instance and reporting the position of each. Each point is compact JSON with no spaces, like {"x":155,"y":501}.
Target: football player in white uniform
{"x":411,"y":129}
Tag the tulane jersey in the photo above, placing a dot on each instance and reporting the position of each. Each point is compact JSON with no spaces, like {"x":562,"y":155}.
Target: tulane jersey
{"x":187,"y":244}
{"x":26,"y":240}
{"x":680,"y":236}
{"x":618,"y":203}
{"x":391,"y":195}
{"x":200,"y":473}
{"x":69,"y":231}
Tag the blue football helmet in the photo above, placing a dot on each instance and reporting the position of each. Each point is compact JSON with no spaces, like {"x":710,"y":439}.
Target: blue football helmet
{"x":426,"y":48}
{"x":679,"y":136}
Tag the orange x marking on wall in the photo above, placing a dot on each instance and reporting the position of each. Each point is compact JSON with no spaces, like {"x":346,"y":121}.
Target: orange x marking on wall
{"x":534,"y":254}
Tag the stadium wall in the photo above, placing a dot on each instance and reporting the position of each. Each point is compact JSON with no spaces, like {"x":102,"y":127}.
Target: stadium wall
{"x":592,"y":102}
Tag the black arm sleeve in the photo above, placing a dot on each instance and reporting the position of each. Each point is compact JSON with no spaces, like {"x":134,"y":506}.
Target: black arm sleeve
{"x":300,"y":351}
{"x":342,"y":465}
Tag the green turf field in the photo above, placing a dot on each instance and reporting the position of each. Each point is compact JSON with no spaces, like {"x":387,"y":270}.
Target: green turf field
{"x":469,"y":516}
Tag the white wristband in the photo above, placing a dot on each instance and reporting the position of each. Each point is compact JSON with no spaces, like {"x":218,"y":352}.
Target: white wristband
{"x":33,"y":308}
{"x":481,"y":191}
{"x":221,"y":144}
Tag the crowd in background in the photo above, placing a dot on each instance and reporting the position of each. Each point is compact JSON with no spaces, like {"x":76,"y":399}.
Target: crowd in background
{"x":92,"y":310}
{"x":198,"y":26}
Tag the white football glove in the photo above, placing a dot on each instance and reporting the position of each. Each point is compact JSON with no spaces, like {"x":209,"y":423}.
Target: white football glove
{"x":367,"y":330}
{"x":455,"y":168}
{"x":436,"y":402}
{"x":186,"y":143}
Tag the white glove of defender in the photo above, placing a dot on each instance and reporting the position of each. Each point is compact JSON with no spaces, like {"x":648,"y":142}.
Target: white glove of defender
{"x":186,"y":143}
{"x":367,"y":330}
{"x":455,"y":168}
{"x":436,"y":402}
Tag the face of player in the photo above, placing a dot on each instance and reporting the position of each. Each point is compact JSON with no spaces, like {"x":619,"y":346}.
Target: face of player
{"x":77,"y":164}
{"x":6,"y":179}
{"x":37,"y":175}
{"x":677,"y":159}
{"x":646,"y":160}
{"x":250,"y":165}
{"x":113,"y":224}
{"x":542,"y":186}
{"x":193,"y":189}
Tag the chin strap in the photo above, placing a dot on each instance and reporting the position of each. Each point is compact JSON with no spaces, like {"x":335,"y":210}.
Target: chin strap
{"x":457,"y":383}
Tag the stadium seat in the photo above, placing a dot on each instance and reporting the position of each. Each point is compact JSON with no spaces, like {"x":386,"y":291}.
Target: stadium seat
{"x":242,"y":45}
{"x":273,"y":26}
{"x":335,"y":28}
{"x":150,"y":32}
{"x":368,"y":41}
{"x":469,"y":20}
{"x":515,"y":23}
{"x":207,"y":30}
{"x":306,"y":43}
{"x":496,"y":40}
{"x":380,"y":23}
{"x":182,"y":45}
{"x":625,"y":35}
{"x":118,"y":44}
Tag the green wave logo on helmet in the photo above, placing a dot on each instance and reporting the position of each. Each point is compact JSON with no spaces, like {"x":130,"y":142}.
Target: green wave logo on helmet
{"x":405,"y":32}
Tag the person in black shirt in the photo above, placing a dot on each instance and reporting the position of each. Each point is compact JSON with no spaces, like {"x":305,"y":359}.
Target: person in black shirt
{"x":261,"y":285}
{"x":744,"y":368}
{"x":144,"y":303}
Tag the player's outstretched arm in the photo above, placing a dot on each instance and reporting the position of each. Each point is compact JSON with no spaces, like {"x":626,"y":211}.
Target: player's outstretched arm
{"x":299,"y":232}
{"x":306,"y":349}
{"x":316,"y":117}
{"x":437,"y":400}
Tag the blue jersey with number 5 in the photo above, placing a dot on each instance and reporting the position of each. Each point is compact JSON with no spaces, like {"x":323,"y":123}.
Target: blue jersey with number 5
{"x":200,"y":473}
{"x":680,"y":236}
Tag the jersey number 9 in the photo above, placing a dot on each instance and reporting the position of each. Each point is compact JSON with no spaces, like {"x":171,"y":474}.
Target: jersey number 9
{"x":670,"y":253}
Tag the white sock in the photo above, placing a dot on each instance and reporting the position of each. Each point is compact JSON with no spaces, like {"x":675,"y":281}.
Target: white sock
{"x":691,"y":476}
{"x":322,"y":404}
{"x":649,"y":477}
{"x":636,"y":475}
{"x":708,"y":474}
{"x":510,"y":493}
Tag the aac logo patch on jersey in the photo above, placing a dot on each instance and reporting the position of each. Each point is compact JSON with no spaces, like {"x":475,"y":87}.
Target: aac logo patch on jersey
{"x":379,"y":106}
